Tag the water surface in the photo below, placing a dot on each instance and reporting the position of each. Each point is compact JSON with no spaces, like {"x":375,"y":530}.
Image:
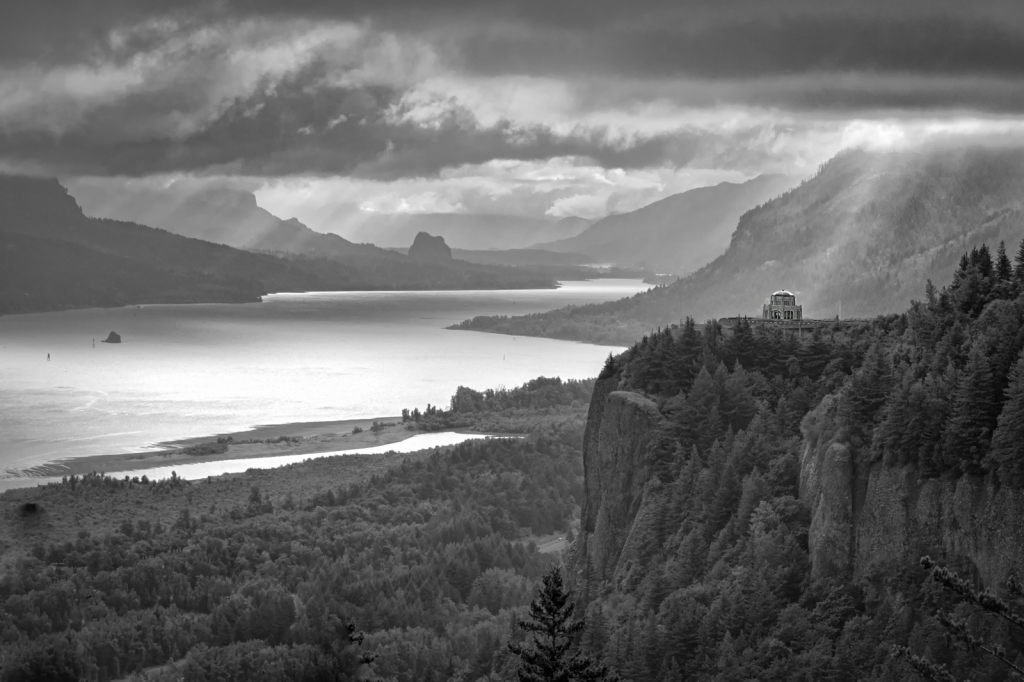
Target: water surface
{"x":194,"y":370}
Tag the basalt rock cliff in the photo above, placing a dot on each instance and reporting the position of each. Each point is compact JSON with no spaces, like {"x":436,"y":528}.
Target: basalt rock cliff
{"x":867,"y":516}
{"x":618,"y":489}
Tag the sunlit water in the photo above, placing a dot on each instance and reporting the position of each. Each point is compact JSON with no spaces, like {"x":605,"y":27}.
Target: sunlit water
{"x":234,"y":466}
{"x":194,"y":370}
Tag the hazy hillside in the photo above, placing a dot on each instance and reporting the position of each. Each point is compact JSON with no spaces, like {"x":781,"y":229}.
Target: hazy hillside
{"x":677,"y":234}
{"x":233,"y":217}
{"x":521,"y":257}
{"x":464,"y":231}
{"x":53,"y":257}
{"x":866,"y":231}
{"x":217,"y":214}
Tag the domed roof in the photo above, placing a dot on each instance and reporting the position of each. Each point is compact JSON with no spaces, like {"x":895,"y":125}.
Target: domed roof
{"x":783,"y":292}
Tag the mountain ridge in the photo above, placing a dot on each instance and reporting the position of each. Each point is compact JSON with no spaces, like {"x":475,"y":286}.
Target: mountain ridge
{"x":54,"y":257}
{"x":218,"y":214}
{"x":862,"y":234}
{"x":676,"y":234}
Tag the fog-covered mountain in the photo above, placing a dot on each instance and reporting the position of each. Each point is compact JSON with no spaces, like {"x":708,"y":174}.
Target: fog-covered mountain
{"x":677,"y":234}
{"x":218,"y":214}
{"x":464,"y":230}
{"x":231,"y":216}
{"x":865,"y":233}
{"x":54,"y":257}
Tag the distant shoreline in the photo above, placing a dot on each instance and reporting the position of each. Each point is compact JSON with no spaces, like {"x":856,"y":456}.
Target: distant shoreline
{"x":317,"y":437}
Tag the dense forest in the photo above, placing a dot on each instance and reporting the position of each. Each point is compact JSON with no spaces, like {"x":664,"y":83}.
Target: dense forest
{"x":721,"y":587}
{"x":862,"y":236}
{"x":52,"y":257}
{"x":431,"y":560}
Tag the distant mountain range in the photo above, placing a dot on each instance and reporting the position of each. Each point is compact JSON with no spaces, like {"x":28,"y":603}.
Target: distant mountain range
{"x":231,"y":216}
{"x":677,"y":234}
{"x":465,"y":231}
{"x":865,"y":234}
{"x":53,"y":257}
{"x":217,"y":214}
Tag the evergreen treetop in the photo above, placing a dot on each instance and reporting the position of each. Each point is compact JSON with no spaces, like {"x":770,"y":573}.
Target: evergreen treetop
{"x":549,"y":657}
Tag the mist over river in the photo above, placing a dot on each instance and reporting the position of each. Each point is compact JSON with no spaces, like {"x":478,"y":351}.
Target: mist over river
{"x":184,"y":371}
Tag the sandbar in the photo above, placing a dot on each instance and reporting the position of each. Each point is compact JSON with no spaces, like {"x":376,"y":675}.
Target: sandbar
{"x":315,"y":437}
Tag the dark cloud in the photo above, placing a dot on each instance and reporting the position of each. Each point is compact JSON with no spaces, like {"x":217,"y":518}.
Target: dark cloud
{"x":285,"y":130}
{"x":834,"y":58}
{"x":742,"y":46}
{"x":697,"y":38}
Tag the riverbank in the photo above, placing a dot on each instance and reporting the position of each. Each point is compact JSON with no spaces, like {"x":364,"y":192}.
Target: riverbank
{"x":300,"y":438}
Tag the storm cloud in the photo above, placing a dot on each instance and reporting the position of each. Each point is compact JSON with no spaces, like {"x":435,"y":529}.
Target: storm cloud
{"x":391,"y":89}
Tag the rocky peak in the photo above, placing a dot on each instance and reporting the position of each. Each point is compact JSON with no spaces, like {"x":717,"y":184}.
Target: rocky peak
{"x":427,"y":247}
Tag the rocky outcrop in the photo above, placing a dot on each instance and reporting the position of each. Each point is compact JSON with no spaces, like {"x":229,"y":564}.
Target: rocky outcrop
{"x":427,"y":247}
{"x":113,"y":337}
{"x":620,"y":493}
{"x":868,"y":517}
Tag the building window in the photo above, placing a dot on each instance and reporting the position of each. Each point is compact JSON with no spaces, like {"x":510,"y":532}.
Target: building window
{"x":776,"y":314}
{"x":789,"y":314}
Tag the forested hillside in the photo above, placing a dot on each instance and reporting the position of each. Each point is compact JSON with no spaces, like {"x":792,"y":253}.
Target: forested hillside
{"x":52,"y":257}
{"x":756,"y":504}
{"x":256,"y":579}
{"x":864,"y":232}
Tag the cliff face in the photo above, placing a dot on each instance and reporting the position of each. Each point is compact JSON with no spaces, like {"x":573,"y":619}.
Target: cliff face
{"x":620,"y":493}
{"x":867,"y":519}
{"x":866,"y":516}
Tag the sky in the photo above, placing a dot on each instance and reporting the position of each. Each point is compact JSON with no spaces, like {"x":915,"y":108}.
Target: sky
{"x":523,"y":107}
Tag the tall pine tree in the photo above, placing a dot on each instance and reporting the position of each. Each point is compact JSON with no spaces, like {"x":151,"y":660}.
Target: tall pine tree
{"x":1018,"y":270}
{"x":969,"y":432}
{"x":1008,"y":439}
{"x":548,"y":658}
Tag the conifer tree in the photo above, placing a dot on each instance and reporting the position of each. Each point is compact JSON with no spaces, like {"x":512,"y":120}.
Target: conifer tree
{"x":1004,"y":270}
{"x":741,"y":346}
{"x":1003,"y":285}
{"x":969,"y":432}
{"x":685,"y":355}
{"x":984,"y":261}
{"x":1018,"y":270}
{"x":867,"y":391}
{"x":548,"y":657}
{"x":727,"y":497}
{"x":1008,"y":439}
{"x":961,"y":272}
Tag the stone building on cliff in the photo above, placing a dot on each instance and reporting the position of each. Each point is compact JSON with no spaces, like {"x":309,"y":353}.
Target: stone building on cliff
{"x":781,"y":311}
{"x":782,"y":306}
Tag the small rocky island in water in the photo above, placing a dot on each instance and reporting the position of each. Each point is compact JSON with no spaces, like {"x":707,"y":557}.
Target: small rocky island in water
{"x":113,"y":337}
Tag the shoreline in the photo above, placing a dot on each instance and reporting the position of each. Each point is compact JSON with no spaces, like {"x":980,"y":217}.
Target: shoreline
{"x":316,"y":437}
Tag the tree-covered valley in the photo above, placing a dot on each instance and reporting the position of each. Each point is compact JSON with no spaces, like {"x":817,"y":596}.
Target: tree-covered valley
{"x":258,"y":576}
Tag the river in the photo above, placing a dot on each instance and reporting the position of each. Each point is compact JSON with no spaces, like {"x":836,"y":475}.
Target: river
{"x":185,"y":371}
